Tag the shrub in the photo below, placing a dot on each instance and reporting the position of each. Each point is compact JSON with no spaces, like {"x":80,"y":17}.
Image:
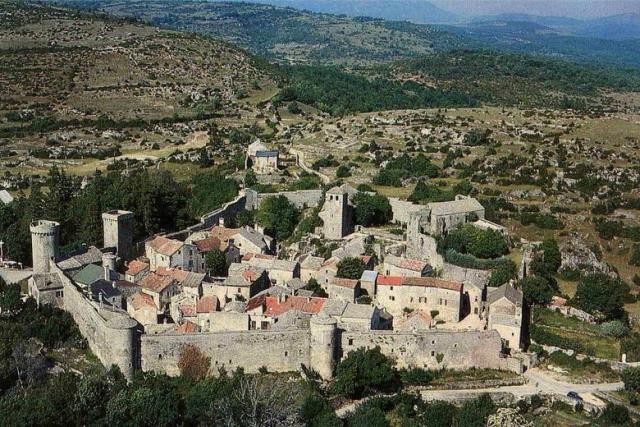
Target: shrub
{"x":362,"y":370}
{"x":602,"y":295}
{"x":614,"y":328}
{"x":631,"y":379}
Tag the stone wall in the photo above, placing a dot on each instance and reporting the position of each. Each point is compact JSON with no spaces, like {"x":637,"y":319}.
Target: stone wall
{"x":301,"y":199}
{"x":111,"y":335}
{"x":278,"y":351}
{"x":459,"y":350}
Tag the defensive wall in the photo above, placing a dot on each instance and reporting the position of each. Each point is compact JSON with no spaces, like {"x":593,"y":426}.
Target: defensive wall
{"x":277,"y":351}
{"x":300,"y":199}
{"x":111,"y":334}
{"x":435,"y":349}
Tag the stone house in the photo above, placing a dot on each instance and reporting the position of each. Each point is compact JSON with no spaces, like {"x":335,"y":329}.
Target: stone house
{"x":504,"y":314}
{"x":399,"y":294}
{"x":246,"y":239}
{"x":160,"y":288}
{"x":189,"y":283}
{"x":264,"y":310}
{"x":106,"y":292}
{"x":208,"y":244}
{"x":351,"y":316}
{"x":244,"y":282}
{"x":310,"y":267}
{"x":445,"y":216}
{"x":171,"y":253}
{"x":279,"y":271}
{"x":474,"y":296}
{"x":397,"y":266}
{"x":46,"y":288}
{"x":368,"y":282}
{"x":136,"y":270}
{"x":265,"y":162}
{"x":343,"y":289}
{"x":142,"y":307}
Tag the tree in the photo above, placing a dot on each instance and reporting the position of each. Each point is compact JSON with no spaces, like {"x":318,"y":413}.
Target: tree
{"x":278,"y":216}
{"x":216,"y":262}
{"x":631,"y":379}
{"x":343,"y":171}
{"x":314,"y":286}
{"x":474,"y":413}
{"x":364,"y":369}
{"x":250,"y":179}
{"x":193,"y":364}
{"x":10,"y":297}
{"x":615,"y":415}
{"x":351,"y":268}
{"x":372,"y":209}
{"x":600,"y":294}
{"x":536,"y":290}
{"x":548,"y":261}
{"x":635,"y":256}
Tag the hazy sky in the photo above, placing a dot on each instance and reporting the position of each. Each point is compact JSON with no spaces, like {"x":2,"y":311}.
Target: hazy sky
{"x":573,"y":8}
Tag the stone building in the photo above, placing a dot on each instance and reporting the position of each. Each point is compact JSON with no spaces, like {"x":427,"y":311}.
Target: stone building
{"x":266,"y":162}
{"x":399,"y":294}
{"x":337,"y":212}
{"x":161,"y":288}
{"x":280,"y":271}
{"x":118,"y":232}
{"x":444,"y":216}
{"x":136,"y":270}
{"x":397,"y":266}
{"x":142,"y":307}
{"x":171,"y":253}
{"x":45,"y":237}
{"x":505,"y":306}
{"x":343,"y":289}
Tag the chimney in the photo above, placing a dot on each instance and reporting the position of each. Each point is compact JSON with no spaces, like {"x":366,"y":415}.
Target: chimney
{"x":221,"y":221}
{"x":114,"y":284}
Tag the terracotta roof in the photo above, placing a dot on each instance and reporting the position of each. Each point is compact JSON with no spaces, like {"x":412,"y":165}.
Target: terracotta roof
{"x":140,"y":300}
{"x":557,"y":301}
{"x":165,"y":246}
{"x":186,"y":328}
{"x":136,"y":267}
{"x":311,"y":305}
{"x":256,"y":302}
{"x":209,"y":244}
{"x":365,"y":258}
{"x":345,"y":283}
{"x":188,"y":310}
{"x":156,"y":282}
{"x":207,"y":304}
{"x":427,"y":282}
{"x":223,"y":233}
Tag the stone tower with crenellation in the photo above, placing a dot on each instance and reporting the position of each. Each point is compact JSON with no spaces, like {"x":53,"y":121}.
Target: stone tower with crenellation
{"x":337,"y":213}
{"x":44,"y":244}
{"x":118,"y":232}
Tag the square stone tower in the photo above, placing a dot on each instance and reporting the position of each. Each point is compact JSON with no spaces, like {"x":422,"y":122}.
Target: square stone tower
{"x":336,"y":213}
{"x":118,"y":232}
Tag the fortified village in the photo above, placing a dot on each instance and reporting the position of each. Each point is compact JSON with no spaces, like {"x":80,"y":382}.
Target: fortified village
{"x":139,"y":304}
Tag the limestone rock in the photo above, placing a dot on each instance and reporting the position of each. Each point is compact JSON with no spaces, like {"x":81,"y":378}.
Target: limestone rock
{"x":507,"y":417}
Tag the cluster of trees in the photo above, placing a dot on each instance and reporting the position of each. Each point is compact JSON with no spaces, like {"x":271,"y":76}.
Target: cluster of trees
{"x":400,"y":168}
{"x":278,"y":216}
{"x":425,"y":192}
{"x":602,"y":295}
{"x":372,"y":209}
{"x":159,"y":203}
{"x":339,"y":92}
{"x":608,"y":229}
{"x":468,"y":239}
{"x":540,"y":285}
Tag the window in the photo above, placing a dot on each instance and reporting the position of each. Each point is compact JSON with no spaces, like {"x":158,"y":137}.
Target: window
{"x":253,"y":324}
{"x":433,"y":353}
{"x":286,"y":353}
{"x":411,"y":299}
{"x":391,"y":287}
{"x":392,"y":298}
{"x":350,"y":341}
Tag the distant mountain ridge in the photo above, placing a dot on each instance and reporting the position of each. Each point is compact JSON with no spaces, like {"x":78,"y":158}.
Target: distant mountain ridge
{"x":616,"y":27}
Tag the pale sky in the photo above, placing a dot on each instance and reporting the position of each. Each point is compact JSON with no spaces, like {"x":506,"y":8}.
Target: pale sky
{"x":572,"y":8}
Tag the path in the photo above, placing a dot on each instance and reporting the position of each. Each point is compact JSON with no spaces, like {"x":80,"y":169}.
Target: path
{"x":539,"y":382}
{"x":300,"y":160}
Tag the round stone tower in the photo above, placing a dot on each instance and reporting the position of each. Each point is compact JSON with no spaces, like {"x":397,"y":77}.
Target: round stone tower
{"x":121,"y":335}
{"x":44,"y":244}
{"x":323,"y":345}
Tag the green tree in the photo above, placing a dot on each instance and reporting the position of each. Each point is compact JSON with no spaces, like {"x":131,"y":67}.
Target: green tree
{"x":343,"y":171}
{"x":631,"y":379}
{"x":10,"y":297}
{"x":600,"y":294}
{"x":536,"y":290}
{"x":351,"y":268}
{"x":250,"y":179}
{"x":216,"y":262}
{"x":474,"y":413}
{"x":364,"y":370}
{"x":372,"y":209}
{"x":278,"y":216}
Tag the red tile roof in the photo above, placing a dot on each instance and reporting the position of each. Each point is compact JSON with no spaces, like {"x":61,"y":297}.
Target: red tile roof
{"x":311,"y":305}
{"x":136,"y":267}
{"x":186,"y":328}
{"x":209,"y":244}
{"x":188,"y":310}
{"x":165,"y":246}
{"x":207,"y":304}
{"x":177,"y":275}
{"x":408,"y":264}
{"x":256,"y":302}
{"x":428,"y":282}
{"x":156,"y":282}
{"x":141,"y":300}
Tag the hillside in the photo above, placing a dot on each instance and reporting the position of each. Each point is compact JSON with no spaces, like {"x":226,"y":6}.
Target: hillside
{"x":302,"y":37}
{"x":285,"y":34}
{"x":76,"y":89}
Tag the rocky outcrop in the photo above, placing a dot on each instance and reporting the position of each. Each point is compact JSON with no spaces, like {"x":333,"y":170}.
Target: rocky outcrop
{"x":576,"y":255}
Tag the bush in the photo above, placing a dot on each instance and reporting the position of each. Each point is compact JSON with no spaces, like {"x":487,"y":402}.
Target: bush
{"x":278,"y":216}
{"x":614,"y":328}
{"x":351,"y":268}
{"x":343,"y":172}
{"x":364,"y":370}
{"x":480,"y":243}
{"x":614,"y":415}
{"x":601,"y":295}
{"x":417,"y":376}
{"x":372,"y":209}
{"x":537,"y":290}
{"x":631,"y":379}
